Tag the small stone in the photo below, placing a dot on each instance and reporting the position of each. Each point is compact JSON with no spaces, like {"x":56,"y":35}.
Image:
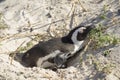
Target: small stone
{"x":48,"y":15}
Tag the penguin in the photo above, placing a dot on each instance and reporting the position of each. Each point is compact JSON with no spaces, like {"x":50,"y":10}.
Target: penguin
{"x":56,"y":51}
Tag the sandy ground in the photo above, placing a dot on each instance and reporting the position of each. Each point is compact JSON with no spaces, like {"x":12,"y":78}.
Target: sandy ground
{"x":26,"y":18}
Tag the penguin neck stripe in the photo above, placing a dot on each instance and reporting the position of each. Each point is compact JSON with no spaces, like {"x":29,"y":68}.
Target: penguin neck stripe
{"x":77,"y":43}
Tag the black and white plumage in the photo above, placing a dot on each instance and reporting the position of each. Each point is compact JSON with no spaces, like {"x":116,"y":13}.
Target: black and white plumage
{"x":56,"y":51}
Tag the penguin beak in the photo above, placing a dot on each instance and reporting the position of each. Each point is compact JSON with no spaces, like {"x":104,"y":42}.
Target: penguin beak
{"x":89,"y":28}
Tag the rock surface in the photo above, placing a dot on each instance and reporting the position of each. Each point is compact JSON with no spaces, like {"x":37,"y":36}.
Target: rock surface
{"x":27,"y":19}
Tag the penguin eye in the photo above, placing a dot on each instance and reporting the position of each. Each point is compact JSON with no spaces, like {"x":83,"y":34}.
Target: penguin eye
{"x":79,"y":36}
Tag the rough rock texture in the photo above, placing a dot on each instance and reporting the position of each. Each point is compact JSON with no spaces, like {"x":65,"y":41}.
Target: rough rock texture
{"x":27,"y":18}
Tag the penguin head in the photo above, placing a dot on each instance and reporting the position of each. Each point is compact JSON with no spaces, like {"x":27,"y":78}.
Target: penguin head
{"x":79,"y":33}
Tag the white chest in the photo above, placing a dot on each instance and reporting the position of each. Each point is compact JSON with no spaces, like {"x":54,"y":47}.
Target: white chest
{"x":77,"y":46}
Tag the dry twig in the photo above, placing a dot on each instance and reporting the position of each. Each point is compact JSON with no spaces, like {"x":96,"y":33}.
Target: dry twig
{"x":86,"y":47}
{"x":49,"y":31}
{"x":84,"y":9}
